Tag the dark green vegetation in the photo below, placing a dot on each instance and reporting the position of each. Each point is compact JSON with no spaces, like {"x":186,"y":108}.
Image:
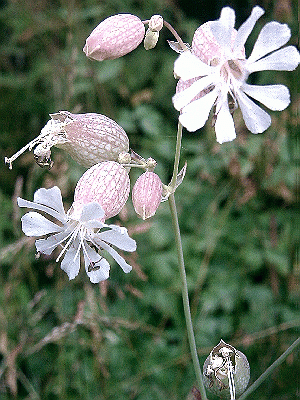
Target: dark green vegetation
{"x":125,"y":338}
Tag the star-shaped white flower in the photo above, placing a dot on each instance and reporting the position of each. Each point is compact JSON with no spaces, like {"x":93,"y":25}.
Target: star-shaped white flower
{"x":218,"y":77}
{"x":75,"y":233}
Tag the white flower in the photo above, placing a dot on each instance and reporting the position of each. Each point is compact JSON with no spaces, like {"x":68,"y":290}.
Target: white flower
{"x":215,"y":70}
{"x":75,"y":233}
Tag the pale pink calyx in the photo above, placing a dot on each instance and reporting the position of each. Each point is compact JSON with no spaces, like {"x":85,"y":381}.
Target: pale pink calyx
{"x":107,"y":184}
{"x":114,"y":37}
{"x":206,"y":47}
{"x":147,"y":194}
{"x":88,"y":138}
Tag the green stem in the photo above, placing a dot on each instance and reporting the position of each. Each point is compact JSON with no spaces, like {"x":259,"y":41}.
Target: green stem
{"x":177,"y":156}
{"x":269,"y":370}
{"x":185,"y":294}
{"x":185,"y":298}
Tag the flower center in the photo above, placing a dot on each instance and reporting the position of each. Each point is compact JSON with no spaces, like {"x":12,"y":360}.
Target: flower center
{"x":232,"y":68}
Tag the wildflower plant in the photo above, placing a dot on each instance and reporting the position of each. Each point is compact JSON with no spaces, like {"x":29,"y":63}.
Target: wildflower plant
{"x":212,"y":73}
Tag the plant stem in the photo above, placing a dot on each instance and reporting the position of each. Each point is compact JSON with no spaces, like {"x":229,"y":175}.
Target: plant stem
{"x":177,"y":156}
{"x":269,"y":370}
{"x":172,"y":30}
{"x":185,"y":294}
{"x":185,"y":297}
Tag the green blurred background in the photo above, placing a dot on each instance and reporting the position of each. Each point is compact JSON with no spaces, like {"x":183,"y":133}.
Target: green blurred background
{"x":238,"y":210}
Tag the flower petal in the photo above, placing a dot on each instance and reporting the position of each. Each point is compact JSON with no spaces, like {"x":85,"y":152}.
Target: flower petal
{"x":286,"y":59}
{"x":71,"y":261}
{"x":246,"y":28}
{"x":96,"y":267}
{"x":184,"y":97}
{"x":91,"y":212}
{"x":195,"y":114}
{"x":223,"y":28}
{"x":121,"y":240}
{"x":188,"y":66}
{"x":275,"y":97}
{"x":272,"y":36}
{"x":120,"y":260}
{"x":35,"y":224}
{"x":256,"y":119}
{"x":224,"y":126}
{"x":50,"y":198}
{"x":46,"y":246}
{"x":30,"y":204}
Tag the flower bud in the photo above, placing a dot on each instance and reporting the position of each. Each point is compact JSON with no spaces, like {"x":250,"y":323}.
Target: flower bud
{"x":88,"y":138}
{"x":151,"y":39}
{"x":114,"y":37}
{"x":156,"y":23}
{"x":226,"y":371}
{"x":147,"y":194}
{"x":106,"y":183}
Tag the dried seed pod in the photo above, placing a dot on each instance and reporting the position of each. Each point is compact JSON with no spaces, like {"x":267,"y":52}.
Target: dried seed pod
{"x":226,"y":371}
{"x":92,"y":138}
{"x":114,"y":37}
{"x":147,"y":194}
{"x":88,"y":138}
{"x":106,"y":183}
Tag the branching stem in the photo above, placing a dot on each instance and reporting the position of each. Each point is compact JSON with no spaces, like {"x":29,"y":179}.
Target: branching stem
{"x":185,"y":294}
{"x":269,"y":370}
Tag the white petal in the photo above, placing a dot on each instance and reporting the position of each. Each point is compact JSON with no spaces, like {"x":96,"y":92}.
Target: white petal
{"x":30,"y":204}
{"x":246,"y":28}
{"x":184,"y":97}
{"x":286,"y":59}
{"x":99,"y":271}
{"x":35,"y":224}
{"x":50,"y":198}
{"x":256,"y":119}
{"x":121,"y":240}
{"x":272,"y":36}
{"x":120,"y":260}
{"x":227,"y":17}
{"x":195,"y":114}
{"x":223,"y":28}
{"x":275,"y":97}
{"x":188,"y":66}
{"x":46,"y":246}
{"x":91,"y":211}
{"x":225,"y":131}
{"x":71,"y":262}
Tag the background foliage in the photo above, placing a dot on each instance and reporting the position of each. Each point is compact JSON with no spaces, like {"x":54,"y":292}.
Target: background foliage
{"x":238,"y":208}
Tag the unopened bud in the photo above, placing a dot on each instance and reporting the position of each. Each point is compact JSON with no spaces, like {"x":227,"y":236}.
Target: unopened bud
{"x":88,"y":138}
{"x":156,"y":23}
{"x":106,"y":183}
{"x":114,"y":37}
{"x":226,"y":371}
{"x":151,"y":39}
{"x":147,"y":194}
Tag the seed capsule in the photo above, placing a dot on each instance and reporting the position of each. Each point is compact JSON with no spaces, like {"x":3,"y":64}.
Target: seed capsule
{"x":106,"y":183}
{"x":226,"y":371}
{"x":92,"y":138}
{"x":88,"y":138}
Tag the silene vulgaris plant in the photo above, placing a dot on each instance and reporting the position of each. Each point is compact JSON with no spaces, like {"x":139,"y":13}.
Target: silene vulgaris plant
{"x":212,"y":76}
